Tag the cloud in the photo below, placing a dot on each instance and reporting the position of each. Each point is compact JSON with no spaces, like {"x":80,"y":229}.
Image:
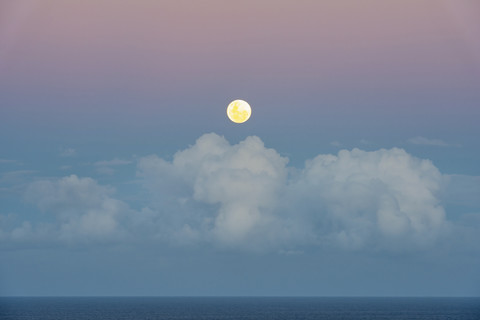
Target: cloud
{"x":366,"y":142}
{"x":217,"y":191}
{"x":15,"y":181}
{"x":422,"y":141}
{"x":82,"y":208}
{"x":359,"y":198}
{"x":15,"y":176}
{"x":68,"y":152}
{"x":113,"y":162}
{"x":105,"y":170}
{"x":4,"y":161}
{"x":245,"y":195}
{"x":105,"y":167}
{"x":335,"y":144}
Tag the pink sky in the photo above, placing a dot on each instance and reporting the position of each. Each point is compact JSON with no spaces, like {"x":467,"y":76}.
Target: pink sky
{"x":85,"y":42}
{"x":347,"y":52}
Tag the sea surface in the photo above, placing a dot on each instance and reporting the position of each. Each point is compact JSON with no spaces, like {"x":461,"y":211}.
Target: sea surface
{"x":259,"y":308}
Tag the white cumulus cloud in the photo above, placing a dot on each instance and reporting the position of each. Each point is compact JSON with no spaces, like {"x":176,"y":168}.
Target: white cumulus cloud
{"x":218,"y":191}
{"x":245,"y":195}
{"x":357,"y":198}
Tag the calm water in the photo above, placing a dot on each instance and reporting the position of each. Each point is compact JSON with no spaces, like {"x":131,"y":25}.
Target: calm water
{"x":239,"y":308}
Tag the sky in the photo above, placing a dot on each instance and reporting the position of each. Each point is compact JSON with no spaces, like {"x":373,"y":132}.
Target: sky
{"x":357,"y":174}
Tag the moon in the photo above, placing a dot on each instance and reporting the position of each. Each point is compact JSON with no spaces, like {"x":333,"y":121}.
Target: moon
{"x":239,"y":111}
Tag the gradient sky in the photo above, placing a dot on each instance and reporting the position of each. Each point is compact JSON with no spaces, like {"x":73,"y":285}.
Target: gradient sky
{"x":357,"y":174}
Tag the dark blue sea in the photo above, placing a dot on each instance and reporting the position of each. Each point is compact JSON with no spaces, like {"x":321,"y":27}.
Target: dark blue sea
{"x":260,"y":308}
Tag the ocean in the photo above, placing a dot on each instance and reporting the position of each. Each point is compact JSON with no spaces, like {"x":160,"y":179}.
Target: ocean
{"x":259,"y":308}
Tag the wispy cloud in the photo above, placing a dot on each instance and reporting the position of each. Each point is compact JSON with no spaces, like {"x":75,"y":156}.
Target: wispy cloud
{"x":15,"y":181}
{"x":15,"y":177}
{"x":8,"y":161}
{"x":113,"y":162}
{"x":335,"y":144}
{"x":429,"y":142}
{"x":366,"y":142}
{"x":106,"y":166}
{"x":67,"y":152}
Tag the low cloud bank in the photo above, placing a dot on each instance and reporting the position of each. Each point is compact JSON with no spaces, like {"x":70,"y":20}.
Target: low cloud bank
{"x":83,"y":209}
{"x":245,"y":196}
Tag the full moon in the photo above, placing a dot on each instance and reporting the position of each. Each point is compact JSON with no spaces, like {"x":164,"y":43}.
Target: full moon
{"x":239,"y":111}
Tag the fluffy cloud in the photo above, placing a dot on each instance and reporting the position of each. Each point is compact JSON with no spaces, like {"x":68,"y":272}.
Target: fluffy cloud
{"x":358,"y":198}
{"x":245,"y":195}
{"x":82,"y":208}
{"x":218,"y":191}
